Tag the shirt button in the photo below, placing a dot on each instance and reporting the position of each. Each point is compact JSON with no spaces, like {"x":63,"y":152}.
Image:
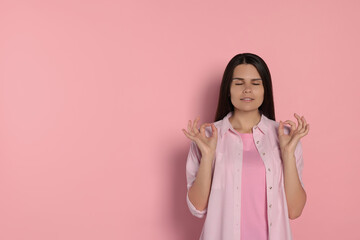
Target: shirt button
{"x":269,"y":169}
{"x":270,"y":187}
{"x":270,"y":224}
{"x":263,"y":153}
{"x":270,"y":205}
{"x":255,"y":127}
{"x":257,"y":142}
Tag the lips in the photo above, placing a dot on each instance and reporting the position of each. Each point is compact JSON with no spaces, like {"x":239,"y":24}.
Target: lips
{"x":246,"y":99}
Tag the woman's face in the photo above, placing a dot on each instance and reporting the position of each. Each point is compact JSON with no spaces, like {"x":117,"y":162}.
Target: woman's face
{"x":246,"y":83}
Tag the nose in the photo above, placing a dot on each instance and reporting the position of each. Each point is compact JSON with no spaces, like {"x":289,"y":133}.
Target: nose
{"x":247,"y":89}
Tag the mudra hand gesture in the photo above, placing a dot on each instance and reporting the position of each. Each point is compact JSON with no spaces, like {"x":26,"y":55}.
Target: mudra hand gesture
{"x":288,"y":142}
{"x":207,"y":145}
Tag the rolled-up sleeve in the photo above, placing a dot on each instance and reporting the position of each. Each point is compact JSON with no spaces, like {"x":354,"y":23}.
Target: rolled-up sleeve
{"x":192,"y":167}
{"x":299,"y":161}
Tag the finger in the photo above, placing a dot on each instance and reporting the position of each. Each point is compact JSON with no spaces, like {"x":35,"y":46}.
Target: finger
{"x":299,"y":122}
{"x":193,"y":125}
{"x":307,"y":128}
{"x":202,"y":128}
{"x":208,"y":125}
{"x":281,"y":128}
{"x":292,"y":126}
{"x":195,"y":129}
{"x":196,"y":125}
{"x":304,"y":125}
{"x":187,"y":135}
{"x":189,"y":126}
{"x":214,"y":130}
{"x":304,"y":121}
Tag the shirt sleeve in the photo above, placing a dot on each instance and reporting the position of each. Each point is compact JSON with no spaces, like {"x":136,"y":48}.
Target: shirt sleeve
{"x":192,"y":167}
{"x":299,"y":161}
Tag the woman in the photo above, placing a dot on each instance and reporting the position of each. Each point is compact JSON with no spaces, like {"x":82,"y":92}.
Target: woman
{"x":244,"y":171}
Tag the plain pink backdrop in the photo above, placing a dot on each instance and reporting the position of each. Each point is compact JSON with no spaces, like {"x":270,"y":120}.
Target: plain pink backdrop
{"x":94,"y":95}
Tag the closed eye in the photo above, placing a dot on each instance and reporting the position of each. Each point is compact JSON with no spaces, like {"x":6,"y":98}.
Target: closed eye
{"x":242,"y":84}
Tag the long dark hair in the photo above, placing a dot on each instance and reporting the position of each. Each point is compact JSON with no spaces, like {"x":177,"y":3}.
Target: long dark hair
{"x":224,"y":103}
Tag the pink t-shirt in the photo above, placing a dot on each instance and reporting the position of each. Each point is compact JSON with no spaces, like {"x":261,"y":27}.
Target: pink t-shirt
{"x":253,"y":192}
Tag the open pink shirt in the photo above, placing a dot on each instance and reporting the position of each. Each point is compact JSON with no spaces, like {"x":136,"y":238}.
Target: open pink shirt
{"x":223,"y":212}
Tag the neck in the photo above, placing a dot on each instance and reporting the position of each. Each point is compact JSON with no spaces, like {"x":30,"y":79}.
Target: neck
{"x":244,"y":121}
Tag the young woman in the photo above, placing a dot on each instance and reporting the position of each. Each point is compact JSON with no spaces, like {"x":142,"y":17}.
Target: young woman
{"x":244,"y":171}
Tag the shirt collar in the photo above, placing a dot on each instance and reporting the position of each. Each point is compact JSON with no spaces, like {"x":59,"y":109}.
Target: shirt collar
{"x":262,"y":125}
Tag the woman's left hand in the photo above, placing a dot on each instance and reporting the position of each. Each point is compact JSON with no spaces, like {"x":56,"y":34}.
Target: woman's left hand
{"x":288,"y":142}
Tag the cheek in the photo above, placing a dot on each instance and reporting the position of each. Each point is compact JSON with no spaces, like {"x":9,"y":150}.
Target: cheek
{"x":260,"y":92}
{"x":235,"y":92}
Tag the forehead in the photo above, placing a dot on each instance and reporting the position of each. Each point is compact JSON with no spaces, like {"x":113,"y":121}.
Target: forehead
{"x":246,"y":71}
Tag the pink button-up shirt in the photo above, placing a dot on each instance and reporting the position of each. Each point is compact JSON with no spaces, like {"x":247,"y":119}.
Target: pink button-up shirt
{"x":223,"y":212}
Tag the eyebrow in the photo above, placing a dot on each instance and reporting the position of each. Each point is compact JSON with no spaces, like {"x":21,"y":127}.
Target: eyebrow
{"x":254,"y":79}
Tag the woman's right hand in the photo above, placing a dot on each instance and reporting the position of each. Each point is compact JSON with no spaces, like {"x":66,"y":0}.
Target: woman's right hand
{"x":207,"y":145}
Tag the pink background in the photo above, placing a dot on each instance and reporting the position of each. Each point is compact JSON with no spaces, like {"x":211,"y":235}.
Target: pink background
{"x":94,"y":95}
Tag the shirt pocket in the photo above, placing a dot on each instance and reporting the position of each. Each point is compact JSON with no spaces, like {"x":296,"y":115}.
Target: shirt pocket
{"x":218,"y":181}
